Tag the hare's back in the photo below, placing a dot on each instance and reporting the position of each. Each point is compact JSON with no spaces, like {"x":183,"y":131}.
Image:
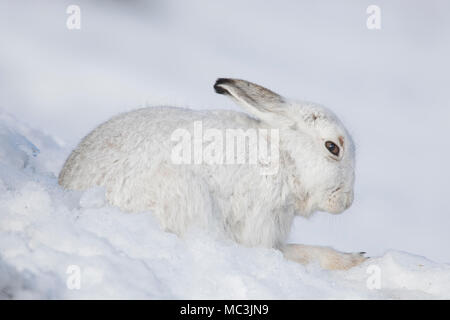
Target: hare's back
{"x":135,"y":142}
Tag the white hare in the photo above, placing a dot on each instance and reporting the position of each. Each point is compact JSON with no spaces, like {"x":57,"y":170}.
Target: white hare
{"x":132,"y":157}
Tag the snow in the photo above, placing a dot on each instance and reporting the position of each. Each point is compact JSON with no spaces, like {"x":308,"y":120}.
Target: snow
{"x":390,"y":88}
{"x":45,"y":231}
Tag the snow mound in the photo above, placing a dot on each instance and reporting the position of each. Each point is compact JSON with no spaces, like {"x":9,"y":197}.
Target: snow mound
{"x":57,"y":244}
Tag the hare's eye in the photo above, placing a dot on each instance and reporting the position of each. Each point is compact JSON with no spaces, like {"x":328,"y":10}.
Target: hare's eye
{"x":332,"y":147}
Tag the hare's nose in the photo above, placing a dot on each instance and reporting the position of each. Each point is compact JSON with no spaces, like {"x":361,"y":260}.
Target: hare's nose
{"x":349,"y":199}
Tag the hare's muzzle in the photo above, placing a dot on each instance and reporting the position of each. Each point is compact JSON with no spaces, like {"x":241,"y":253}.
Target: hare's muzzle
{"x":339,"y":201}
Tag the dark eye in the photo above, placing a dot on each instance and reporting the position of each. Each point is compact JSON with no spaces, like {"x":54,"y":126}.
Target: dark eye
{"x":332,"y":147}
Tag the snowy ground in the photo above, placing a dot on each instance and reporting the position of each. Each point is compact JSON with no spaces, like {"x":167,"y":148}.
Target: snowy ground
{"x":390,"y":87}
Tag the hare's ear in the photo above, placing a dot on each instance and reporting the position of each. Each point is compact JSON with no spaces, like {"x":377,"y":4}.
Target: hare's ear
{"x":259,"y":101}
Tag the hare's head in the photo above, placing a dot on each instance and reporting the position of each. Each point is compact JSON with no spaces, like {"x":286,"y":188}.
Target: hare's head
{"x":318,"y":151}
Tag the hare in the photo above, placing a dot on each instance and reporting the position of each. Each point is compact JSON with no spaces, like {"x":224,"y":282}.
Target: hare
{"x":135,"y":157}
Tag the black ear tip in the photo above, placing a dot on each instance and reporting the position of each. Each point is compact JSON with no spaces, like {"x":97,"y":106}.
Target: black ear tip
{"x":223,"y":81}
{"x":218,"y":88}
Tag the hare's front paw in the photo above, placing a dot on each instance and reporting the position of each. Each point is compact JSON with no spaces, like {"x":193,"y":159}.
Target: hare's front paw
{"x":335,"y":260}
{"x":328,"y":258}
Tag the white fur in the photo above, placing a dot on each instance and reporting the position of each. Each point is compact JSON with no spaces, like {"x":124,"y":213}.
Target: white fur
{"x":129,"y":155}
